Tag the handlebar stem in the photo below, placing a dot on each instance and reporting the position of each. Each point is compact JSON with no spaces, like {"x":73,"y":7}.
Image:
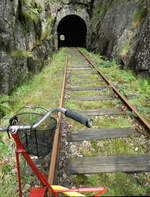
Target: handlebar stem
{"x":15,"y":128}
{"x":75,"y":116}
{"x":58,"y":109}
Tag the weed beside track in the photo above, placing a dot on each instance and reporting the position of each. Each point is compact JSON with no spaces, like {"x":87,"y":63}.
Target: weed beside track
{"x":117,"y":183}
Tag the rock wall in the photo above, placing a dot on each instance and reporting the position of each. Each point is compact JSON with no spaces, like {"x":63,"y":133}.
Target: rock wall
{"x":121,"y":30}
{"x":28,"y":33}
{"x":25,"y":40}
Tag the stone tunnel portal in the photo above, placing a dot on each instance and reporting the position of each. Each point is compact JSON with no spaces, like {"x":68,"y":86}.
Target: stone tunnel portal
{"x":72,"y":32}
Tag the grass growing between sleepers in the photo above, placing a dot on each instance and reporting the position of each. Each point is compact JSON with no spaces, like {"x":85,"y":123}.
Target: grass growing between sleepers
{"x":44,"y":90}
{"x":78,"y":105}
{"x":101,"y":122}
{"x":128,"y":82}
{"x":118,"y":183}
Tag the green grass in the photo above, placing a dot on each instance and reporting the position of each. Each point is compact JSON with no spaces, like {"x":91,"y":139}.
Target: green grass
{"x":42,"y":90}
{"x":93,"y":93}
{"x":128,"y":82}
{"x":112,"y":122}
{"x":97,"y":84}
{"x":117,"y":184}
{"x":90,"y":77}
{"x":86,"y":93}
{"x":78,"y":105}
{"x":101,"y":122}
{"x":117,"y":146}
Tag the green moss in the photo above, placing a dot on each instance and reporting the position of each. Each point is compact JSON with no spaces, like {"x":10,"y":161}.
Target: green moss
{"x":31,"y":14}
{"x":46,"y":33}
{"x":31,"y":9}
{"x":138,"y":17}
{"x":38,"y":5}
{"x":103,"y":8}
{"x":20,"y":54}
{"x":140,"y":14}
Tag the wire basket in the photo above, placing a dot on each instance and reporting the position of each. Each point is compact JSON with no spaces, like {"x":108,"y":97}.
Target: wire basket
{"x":37,"y":141}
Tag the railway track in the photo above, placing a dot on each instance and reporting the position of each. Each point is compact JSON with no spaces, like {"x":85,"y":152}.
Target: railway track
{"x":89,"y":92}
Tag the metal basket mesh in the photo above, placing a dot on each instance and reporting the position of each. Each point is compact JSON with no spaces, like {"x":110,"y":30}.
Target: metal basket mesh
{"x":36,"y":141}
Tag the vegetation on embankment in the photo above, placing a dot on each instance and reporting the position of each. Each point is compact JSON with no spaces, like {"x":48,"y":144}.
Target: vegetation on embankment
{"x":42,"y":90}
{"x":128,"y":82}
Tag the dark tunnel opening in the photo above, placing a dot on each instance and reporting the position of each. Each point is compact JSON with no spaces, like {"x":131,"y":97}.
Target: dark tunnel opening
{"x":72,"y":32}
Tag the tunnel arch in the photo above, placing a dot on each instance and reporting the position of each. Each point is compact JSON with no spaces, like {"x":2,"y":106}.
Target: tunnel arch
{"x":72,"y":31}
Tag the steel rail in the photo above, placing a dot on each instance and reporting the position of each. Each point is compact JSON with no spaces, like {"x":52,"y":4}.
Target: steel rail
{"x":123,"y":98}
{"x":52,"y":168}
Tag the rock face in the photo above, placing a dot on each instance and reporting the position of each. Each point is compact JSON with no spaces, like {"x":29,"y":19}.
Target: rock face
{"x":24,"y":40}
{"x":121,"y":30}
{"x":28,"y":32}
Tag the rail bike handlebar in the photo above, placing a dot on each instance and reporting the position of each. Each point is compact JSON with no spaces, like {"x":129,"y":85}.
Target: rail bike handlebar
{"x":67,"y":112}
{"x":75,"y":116}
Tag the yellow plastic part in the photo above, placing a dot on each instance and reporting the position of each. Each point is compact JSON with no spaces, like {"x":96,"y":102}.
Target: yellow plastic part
{"x":59,"y":187}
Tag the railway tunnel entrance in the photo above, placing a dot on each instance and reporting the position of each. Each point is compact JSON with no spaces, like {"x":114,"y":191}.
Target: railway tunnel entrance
{"x":72,"y":32}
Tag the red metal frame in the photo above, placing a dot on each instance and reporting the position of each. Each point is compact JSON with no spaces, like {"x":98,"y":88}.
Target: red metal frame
{"x":21,"y":150}
{"x":100,"y":190}
{"x":41,"y":191}
{"x":38,"y":192}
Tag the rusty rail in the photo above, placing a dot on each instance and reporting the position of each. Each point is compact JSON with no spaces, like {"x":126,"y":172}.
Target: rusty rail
{"x":123,"y":98}
{"x":52,"y":168}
